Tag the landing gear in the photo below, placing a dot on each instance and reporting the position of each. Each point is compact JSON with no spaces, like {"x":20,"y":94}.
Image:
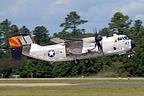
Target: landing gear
{"x":76,"y":62}
{"x":86,"y":61}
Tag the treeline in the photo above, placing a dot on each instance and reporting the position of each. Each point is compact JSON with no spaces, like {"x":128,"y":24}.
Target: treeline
{"x":113,"y":66}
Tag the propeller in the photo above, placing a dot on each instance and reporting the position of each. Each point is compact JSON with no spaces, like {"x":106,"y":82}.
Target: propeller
{"x":98,"y":38}
{"x":131,"y":52}
{"x":107,"y":32}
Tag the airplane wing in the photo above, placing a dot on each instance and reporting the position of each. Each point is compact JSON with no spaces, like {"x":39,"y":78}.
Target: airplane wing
{"x":57,"y":40}
{"x":73,"y":45}
{"x":65,"y":40}
{"x":71,"y":40}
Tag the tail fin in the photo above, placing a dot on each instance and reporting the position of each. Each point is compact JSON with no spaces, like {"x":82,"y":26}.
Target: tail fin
{"x":16,"y":45}
{"x":16,"y":48}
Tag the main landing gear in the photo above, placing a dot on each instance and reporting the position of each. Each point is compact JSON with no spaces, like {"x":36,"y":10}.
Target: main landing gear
{"x":76,"y":61}
{"x":86,"y":61}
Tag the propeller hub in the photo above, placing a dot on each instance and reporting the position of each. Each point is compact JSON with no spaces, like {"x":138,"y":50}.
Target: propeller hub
{"x":99,"y":38}
{"x":132,"y":44}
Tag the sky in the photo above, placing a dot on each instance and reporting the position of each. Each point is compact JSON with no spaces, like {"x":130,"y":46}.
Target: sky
{"x":51,"y":13}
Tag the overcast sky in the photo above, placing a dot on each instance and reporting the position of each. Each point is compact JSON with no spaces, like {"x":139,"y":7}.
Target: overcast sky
{"x":51,"y":13}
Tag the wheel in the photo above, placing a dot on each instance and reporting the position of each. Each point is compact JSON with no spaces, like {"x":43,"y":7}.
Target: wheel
{"x":86,"y":61}
{"x":75,"y":62}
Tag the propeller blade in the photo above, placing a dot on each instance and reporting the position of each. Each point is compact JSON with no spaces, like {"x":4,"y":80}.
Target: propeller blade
{"x":95,"y":32}
{"x":98,"y":38}
{"x":100,"y":48}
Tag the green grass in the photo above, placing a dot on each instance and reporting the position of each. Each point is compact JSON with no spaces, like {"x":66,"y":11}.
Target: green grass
{"x":72,"y":81}
{"x":72,"y":91}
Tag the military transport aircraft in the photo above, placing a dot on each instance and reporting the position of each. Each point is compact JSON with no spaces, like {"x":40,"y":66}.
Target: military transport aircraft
{"x":71,"y":49}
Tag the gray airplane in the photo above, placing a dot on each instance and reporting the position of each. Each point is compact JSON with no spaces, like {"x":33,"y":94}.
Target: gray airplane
{"x":71,"y":49}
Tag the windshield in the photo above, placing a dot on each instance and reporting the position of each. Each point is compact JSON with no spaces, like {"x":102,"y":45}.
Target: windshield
{"x":123,"y":38}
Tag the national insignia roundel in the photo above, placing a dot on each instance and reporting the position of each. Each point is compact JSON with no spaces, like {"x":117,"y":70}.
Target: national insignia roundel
{"x":51,"y":53}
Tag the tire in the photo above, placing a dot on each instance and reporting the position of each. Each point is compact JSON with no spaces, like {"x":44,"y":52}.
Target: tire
{"x":86,"y":61}
{"x":76,"y":62}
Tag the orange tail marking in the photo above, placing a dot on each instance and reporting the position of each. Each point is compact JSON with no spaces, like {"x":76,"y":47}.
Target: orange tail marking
{"x":32,"y":37}
{"x":14,"y":42}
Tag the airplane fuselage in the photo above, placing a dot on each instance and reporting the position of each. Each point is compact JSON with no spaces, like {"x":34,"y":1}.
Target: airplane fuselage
{"x":60,"y":52}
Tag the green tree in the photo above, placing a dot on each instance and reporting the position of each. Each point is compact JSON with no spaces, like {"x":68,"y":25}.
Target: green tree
{"x":72,"y":21}
{"x":41,"y":35}
{"x":14,"y":30}
{"x":24,"y":30}
{"x":62,"y":34}
{"x":35,"y":68}
{"x":120,"y":23}
{"x":105,"y":32}
{"x":137,"y":30}
{"x":138,"y":25}
{"x":62,"y":69}
{"x":5,"y":32}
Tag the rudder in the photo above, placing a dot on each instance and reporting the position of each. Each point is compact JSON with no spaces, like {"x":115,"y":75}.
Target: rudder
{"x":15,"y":47}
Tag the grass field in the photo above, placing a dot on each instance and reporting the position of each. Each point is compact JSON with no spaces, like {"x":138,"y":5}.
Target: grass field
{"x":73,"y":90}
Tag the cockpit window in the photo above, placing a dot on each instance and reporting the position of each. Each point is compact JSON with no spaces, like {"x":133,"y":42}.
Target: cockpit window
{"x":126,"y":38}
{"x":123,"y":38}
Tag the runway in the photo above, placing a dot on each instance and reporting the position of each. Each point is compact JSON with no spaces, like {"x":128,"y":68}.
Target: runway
{"x":68,"y":84}
{"x":73,"y":84}
{"x":119,"y":78}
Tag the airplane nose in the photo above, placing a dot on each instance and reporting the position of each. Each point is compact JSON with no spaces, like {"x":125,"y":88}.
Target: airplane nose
{"x":132,"y":44}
